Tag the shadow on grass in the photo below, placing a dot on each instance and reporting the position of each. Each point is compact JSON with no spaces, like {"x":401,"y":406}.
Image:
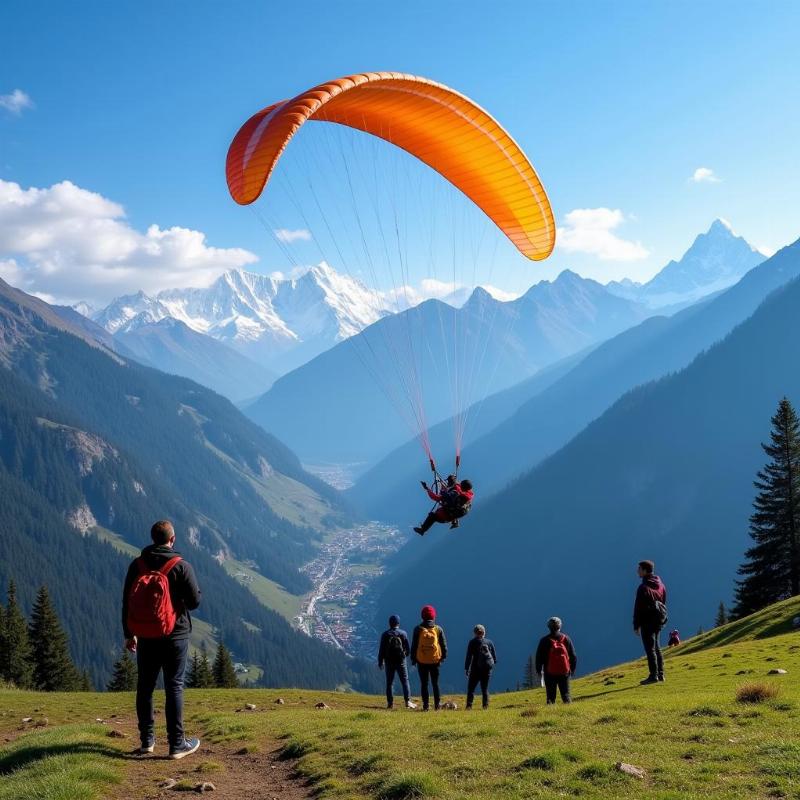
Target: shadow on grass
{"x":24,"y":756}
{"x":603,"y":694}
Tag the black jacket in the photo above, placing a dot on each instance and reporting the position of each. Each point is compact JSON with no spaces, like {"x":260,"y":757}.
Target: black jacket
{"x":183,"y":588}
{"x":383,"y":650}
{"x":543,"y":652}
{"x":415,"y":639}
{"x":473,"y":648}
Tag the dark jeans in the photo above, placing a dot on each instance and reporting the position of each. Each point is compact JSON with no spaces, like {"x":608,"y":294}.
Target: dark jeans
{"x":652,"y":649}
{"x":429,"y":671}
{"x":401,"y":670}
{"x":153,"y":656}
{"x":553,"y":683}
{"x":478,"y":676}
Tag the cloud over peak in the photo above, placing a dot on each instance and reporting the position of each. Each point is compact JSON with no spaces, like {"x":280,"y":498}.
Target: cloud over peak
{"x":76,"y":244}
{"x":704,"y":175}
{"x":592,"y":231}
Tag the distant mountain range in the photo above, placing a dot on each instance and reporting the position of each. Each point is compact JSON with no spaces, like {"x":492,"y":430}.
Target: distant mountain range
{"x":716,"y":260}
{"x":95,"y":447}
{"x":665,"y":473}
{"x":340,"y":407}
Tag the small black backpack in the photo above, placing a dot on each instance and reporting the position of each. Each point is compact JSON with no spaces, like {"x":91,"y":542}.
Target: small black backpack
{"x":484,"y":658}
{"x":394,"y":649}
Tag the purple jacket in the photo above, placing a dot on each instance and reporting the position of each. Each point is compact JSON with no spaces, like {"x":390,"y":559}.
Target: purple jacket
{"x":650,"y":590}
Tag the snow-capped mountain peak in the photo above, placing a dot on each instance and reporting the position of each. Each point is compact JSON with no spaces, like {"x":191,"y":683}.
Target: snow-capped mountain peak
{"x":280,"y":322}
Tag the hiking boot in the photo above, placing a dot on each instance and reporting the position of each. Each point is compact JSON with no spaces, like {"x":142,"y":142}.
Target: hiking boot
{"x":661,"y":679}
{"x":648,"y":680}
{"x":419,"y":531}
{"x":188,"y":747}
{"x":146,"y":748}
{"x":389,"y":706}
{"x":467,"y":708}
{"x":454,"y":524}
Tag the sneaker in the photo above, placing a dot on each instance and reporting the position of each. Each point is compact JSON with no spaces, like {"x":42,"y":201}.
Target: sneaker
{"x":419,"y":531}
{"x":188,"y":747}
{"x":145,"y":749}
{"x":410,"y":704}
{"x":647,"y":681}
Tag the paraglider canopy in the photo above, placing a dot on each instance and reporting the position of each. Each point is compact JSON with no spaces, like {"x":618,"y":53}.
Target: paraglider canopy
{"x":432,"y":122}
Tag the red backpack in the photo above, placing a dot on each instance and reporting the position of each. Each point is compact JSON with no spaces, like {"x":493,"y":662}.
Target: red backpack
{"x":151,"y":614}
{"x":558,"y":658}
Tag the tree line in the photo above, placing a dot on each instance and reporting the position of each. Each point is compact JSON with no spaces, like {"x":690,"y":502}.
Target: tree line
{"x":34,"y":653}
{"x":201,"y":674}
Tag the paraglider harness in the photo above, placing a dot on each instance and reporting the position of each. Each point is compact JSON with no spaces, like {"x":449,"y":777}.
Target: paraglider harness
{"x":452,"y":502}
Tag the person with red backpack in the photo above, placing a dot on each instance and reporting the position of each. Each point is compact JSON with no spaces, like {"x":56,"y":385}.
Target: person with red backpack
{"x":454,"y":502}
{"x":160,"y":591}
{"x":428,"y":651}
{"x":556,"y":662}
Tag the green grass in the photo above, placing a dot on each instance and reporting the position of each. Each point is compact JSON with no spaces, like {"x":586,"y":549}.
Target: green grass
{"x":73,"y":762}
{"x":690,"y":735}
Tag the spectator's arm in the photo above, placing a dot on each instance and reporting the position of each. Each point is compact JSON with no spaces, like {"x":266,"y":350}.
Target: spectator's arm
{"x":414,"y":645}
{"x":442,"y":642}
{"x":541,"y":655}
{"x":191,"y":593}
{"x":406,"y":646}
{"x":494,"y":653}
{"x":129,"y":578}
{"x":382,"y":649}
{"x":573,"y":657}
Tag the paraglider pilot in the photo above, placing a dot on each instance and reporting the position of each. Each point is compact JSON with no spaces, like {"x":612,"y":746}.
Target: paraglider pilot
{"x":454,"y":501}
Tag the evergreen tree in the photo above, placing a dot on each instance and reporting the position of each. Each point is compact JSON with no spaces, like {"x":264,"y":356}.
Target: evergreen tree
{"x":722,"y":615}
{"x":224,"y":673}
{"x":530,"y":679}
{"x":200,"y":674}
{"x":53,"y":669}
{"x":15,"y":654}
{"x":124,"y":677}
{"x":771,"y":571}
{"x":85,"y":682}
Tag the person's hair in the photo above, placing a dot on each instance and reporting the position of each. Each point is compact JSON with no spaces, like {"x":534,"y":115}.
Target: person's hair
{"x":554,"y":624}
{"x":451,"y":479}
{"x":479,"y":630}
{"x":648,"y":566}
{"x":162,"y":532}
{"x":466,"y":485}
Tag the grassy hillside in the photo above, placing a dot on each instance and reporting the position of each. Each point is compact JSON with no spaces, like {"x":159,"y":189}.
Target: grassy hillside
{"x":691,"y":736}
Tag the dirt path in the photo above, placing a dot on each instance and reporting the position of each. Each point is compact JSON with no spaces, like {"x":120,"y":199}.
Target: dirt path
{"x":234,"y":774}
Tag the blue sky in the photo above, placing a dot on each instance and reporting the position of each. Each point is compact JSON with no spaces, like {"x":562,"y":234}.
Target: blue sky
{"x":617,"y":105}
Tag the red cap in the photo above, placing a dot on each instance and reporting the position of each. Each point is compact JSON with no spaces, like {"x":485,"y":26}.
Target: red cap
{"x":428,"y":612}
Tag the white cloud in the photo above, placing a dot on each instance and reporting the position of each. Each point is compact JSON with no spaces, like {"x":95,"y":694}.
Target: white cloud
{"x":591,"y":230}
{"x":288,"y":236}
{"x":74,"y":244}
{"x":455,"y":294}
{"x":16,"y":102}
{"x":704,"y":175}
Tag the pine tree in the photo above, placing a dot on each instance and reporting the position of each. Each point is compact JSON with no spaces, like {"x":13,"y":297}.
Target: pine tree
{"x":15,"y":655}
{"x":224,"y":673}
{"x":200,"y":675}
{"x":124,"y":676}
{"x":85,"y":682}
{"x":53,"y":669}
{"x":530,"y":679}
{"x":722,"y":615}
{"x":771,"y":571}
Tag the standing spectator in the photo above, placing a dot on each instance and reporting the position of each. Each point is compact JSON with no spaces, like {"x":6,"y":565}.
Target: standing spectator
{"x":428,"y":651}
{"x":160,"y":590}
{"x":478,"y":665}
{"x":392,"y":653}
{"x":649,"y":617}
{"x":556,"y":662}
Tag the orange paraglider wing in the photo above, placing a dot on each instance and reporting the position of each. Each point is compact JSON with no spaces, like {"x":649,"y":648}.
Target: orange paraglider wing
{"x":437,"y":125}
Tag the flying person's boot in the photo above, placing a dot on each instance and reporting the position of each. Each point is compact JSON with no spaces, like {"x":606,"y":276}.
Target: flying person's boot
{"x":454,"y":524}
{"x":427,"y":525}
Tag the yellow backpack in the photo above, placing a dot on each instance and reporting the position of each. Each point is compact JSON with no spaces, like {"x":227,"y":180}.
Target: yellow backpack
{"x":429,"y":651}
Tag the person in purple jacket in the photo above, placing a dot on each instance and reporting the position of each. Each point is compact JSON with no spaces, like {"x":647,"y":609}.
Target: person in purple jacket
{"x":649,"y":616}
